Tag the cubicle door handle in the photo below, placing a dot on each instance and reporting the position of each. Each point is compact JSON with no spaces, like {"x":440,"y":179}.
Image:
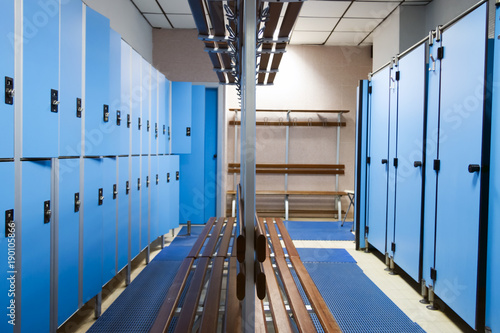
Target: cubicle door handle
{"x":384,"y":161}
{"x":474,"y":168}
{"x":417,"y":164}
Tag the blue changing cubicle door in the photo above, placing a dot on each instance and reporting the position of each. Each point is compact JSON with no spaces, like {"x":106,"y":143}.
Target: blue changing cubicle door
{"x":174,"y":167}
{"x":164,"y":199}
{"x":126,"y":53}
{"x":146,"y":105}
{"x":119,"y":129}
{"x":210,"y":186}
{"x":7,"y":242}
{"x":493,"y":264}
{"x":154,"y":132}
{"x":122,"y":245}
{"x":163,"y":128}
{"x":35,"y":248}
{"x":192,"y":188}
{"x":460,"y":146}
{"x":110,"y":190}
{"x":410,"y":155}
{"x":69,"y":238}
{"x":180,"y":128}
{"x":145,"y":184}
{"x":93,"y":202}
{"x":136,"y":97}
{"x":135,"y":218}
{"x":99,"y":120}
{"x":153,"y":194}
{"x":40,"y":79}
{"x":70,"y":68}
{"x":378,"y":167}
{"x":7,"y":77}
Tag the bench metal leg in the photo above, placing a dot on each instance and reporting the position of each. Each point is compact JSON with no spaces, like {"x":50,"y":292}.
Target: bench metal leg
{"x":233,"y":207}
{"x":351,"y":202}
{"x":162,"y":241}
{"x":98,"y":305}
{"x":286,"y":208}
{"x":127,"y":275}
{"x":339,"y":208}
{"x":148,"y":252}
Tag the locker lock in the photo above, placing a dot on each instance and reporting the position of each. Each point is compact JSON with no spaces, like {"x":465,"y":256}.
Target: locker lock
{"x":9,"y":90}
{"x":156,"y":130}
{"x":168,"y":177}
{"x":47,"y":213}
{"x":79,"y":108}
{"x":474,"y":168}
{"x":9,"y":220}
{"x":101,"y":196}
{"x":54,"y":100}
{"x":164,"y":130}
{"x":188,"y":131}
{"x":128,"y":121}
{"x":115,"y":192}
{"x":384,"y":161}
{"x":157,"y":179}
{"x":105,"y":113}
{"x":118,"y":118}
{"x":417,"y":164}
{"x":127,"y":187}
{"x":139,"y":125}
{"x":138,"y":184}
{"x":77,"y":202}
{"x":177,"y":175}
{"x":147,"y":181}
{"x":147,"y":125}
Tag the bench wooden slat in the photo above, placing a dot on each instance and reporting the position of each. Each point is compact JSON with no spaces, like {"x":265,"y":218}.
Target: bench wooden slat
{"x":232,"y":313}
{"x":291,"y":166}
{"x":290,"y":247}
{"x":209,"y":249}
{"x":320,"y":193}
{"x":201,"y":239}
{"x":292,"y":123}
{"x":187,"y":315}
{"x":293,"y":171}
{"x":210,"y":315}
{"x":300,"y":111}
{"x":275,"y":241}
{"x":226,"y":238}
{"x":167,"y":309}
{"x":260,"y":317}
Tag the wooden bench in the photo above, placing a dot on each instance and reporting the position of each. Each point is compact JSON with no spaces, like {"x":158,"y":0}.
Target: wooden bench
{"x":293,"y":169}
{"x":203,"y":296}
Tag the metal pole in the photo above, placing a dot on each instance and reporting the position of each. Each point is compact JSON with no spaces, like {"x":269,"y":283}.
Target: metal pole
{"x":338,"y":200}
{"x":287,"y":161}
{"x":248,"y":140}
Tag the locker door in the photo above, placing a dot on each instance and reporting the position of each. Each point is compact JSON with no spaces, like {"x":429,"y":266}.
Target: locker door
{"x":99,"y":121}
{"x":7,"y":73}
{"x":146,"y":105}
{"x":7,"y":241}
{"x":135,"y":217}
{"x":69,"y":237}
{"x":125,"y":98}
{"x":174,"y":191}
{"x":109,"y":219}
{"x":145,"y":184}
{"x":154,"y":193}
{"x":123,"y":214}
{"x":155,"y":130}
{"x":35,"y":264}
{"x":192,"y":188}
{"x":92,"y":227}
{"x":120,"y":122}
{"x":136,"y":91}
{"x":409,"y":174}
{"x":378,"y":168}
{"x":163,"y":86}
{"x":493,"y":271}
{"x":40,"y":79}
{"x":70,"y":67}
{"x":181,"y":117}
{"x":460,"y":146}
{"x":163,"y":195}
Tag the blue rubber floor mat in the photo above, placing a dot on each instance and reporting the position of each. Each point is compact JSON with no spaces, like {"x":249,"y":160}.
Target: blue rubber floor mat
{"x":325,"y":255}
{"x":319,"y":230}
{"x":173,"y":253}
{"x":357,"y":304}
{"x":184,"y":240}
{"x":136,"y":308}
{"x":195,"y":230}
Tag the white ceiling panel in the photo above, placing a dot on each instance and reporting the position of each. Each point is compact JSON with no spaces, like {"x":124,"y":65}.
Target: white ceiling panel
{"x":315,"y":24}
{"x":147,"y":6}
{"x":309,"y":37}
{"x":175,"y":6}
{"x":371,"y":9}
{"x":356,"y":25}
{"x":324,"y":8}
{"x":346,"y":38}
{"x":182,"y":21}
{"x":158,"y":21}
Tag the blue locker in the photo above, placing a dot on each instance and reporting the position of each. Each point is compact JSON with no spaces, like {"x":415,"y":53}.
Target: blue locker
{"x":378,"y":167}
{"x":146,"y":106}
{"x":119,"y":128}
{"x":35,"y":248}
{"x":125,"y":98}
{"x":135,"y":193}
{"x":69,"y":240}
{"x":164,"y":200}
{"x":154,"y":195}
{"x":145,"y":185}
{"x":192,"y":188}
{"x":136,"y":98}
{"x":181,"y":117}
{"x":40,"y":79}
{"x":460,"y":146}
{"x":92,"y":227}
{"x":123,"y":212}
{"x":7,"y":73}
{"x":109,"y":226}
{"x":173,"y":218}
{"x":163,"y":114}
{"x":155,"y":130}
{"x":493,"y":271}
{"x":210,"y":190}
{"x":7,"y":242}
{"x":70,"y":67}
{"x":99,"y":121}
{"x":409,"y":172}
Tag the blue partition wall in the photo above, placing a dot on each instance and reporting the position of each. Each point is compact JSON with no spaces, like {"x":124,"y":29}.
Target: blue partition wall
{"x":7,"y":73}
{"x":181,"y":117}
{"x":211,"y":128}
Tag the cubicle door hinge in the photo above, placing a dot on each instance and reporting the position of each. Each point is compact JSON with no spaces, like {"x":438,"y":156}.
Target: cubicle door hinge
{"x":138,"y":184}
{"x":101,"y":197}
{"x":367,"y":230}
{"x":77,"y":202}
{"x":433,"y":274}
{"x":118,"y":118}
{"x":188,"y":131}
{"x":147,"y":181}
{"x":79,"y":108}
{"x":54,"y":100}
{"x":369,"y":89}
{"x":128,"y":121}
{"x":139,"y":125}
{"x":168,"y":177}
{"x":396,"y":162}
{"x":440,"y":52}
{"x":9,"y":222}
{"x":115,"y":192}
{"x":147,"y":125}
{"x":47,"y":213}
{"x":127,"y":187}
{"x":157,"y":179}
{"x":437,"y":165}
{"x":398,"y":75}
{"x":105,"y":113}
{"x":177,"y":175}
{"x":9,"y":90}
{"x":393,"y":247}
{"x":368,"y":160}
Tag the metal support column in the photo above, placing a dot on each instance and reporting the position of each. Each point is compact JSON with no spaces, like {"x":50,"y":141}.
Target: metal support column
{"x":286,"y":162}
{"x":339,"y":198}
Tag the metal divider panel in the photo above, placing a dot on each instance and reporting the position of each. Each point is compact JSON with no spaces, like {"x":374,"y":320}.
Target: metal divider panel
{"x":125,"y":108}
{"x":136,"y":91}
{"x":232,"y":313}
{"x":181,"y":117}
{"x":135,"y":192}
{"x":40,"y":77}
{"x":35,"y":264}
{"x":146,"y":105}
{"x":92,"y":228}
{"x":379,"y":131}
{"x":409,"y":177}
{"x":118,"y":126}
{"x":69,"y":230}
{"x":70,"y":67}
{"x":144,"y":202}
{"x":154,"y":231}
{"x":123,"y":205}
{"x":460,"y":143}
{"x":6,"y":239}
{"x":109,"y":220}
{"x":210,"y":314}
{"x":7,"y":70}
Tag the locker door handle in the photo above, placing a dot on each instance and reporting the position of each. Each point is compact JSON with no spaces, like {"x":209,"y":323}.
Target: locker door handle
{"x":47,"y":213}
{"x":384,"y":161}
{"x":417,"y":164}
{"x":474,"y":168}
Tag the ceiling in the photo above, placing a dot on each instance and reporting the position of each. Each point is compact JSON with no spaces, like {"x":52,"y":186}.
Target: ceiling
{"x":319,"y":23}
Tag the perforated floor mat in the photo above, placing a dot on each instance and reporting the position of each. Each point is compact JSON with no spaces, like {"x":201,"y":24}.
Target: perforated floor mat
{"x":319,"y":230}
{"x":173,"y":253}
{"x":325,"y":255}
